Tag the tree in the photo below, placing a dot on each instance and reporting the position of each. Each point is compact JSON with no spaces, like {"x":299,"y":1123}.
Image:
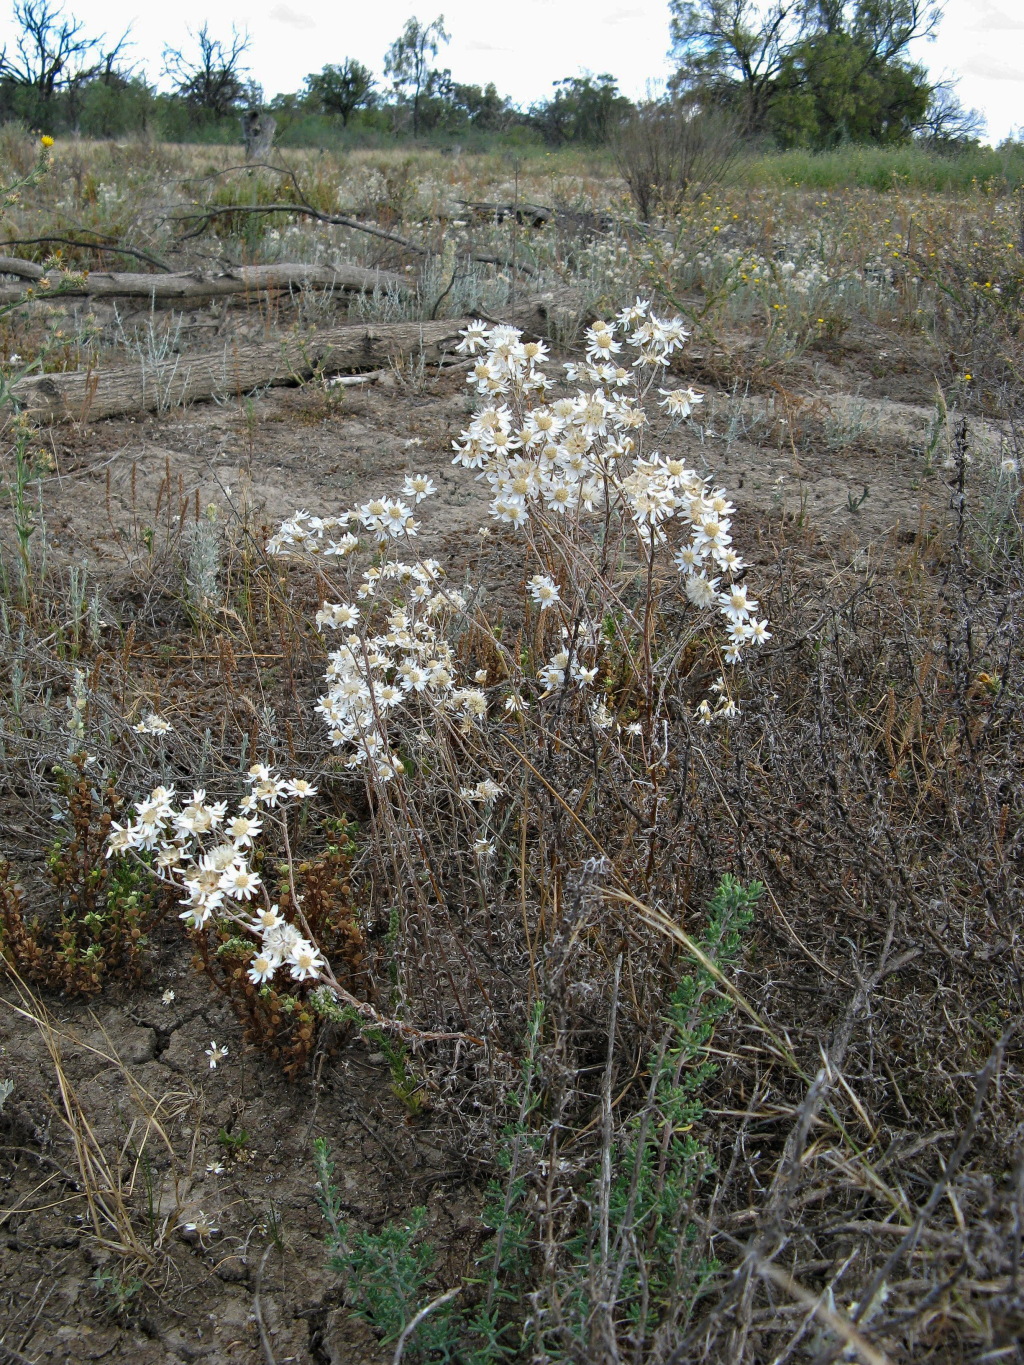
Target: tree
{"x":833,"y":89}
{"x":946,"y":124}
{"x":584,"y":109}
{"x":482,"y":107}
{"x":113,"y":105}
{"x":213,"y":79}
{"x":408,"y":62}
{"x":342,"y":89}
{"x":886,"y":28}
{"x":732,"y":51}
{"x":52,"y":53}
{"x":812,"y":71}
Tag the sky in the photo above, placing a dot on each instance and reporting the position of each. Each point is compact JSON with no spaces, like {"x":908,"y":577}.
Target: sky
{"x":526,"y":45}
{"x":982,"y":42}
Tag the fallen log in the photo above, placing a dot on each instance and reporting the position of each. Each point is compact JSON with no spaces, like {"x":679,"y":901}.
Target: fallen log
{"x":89,"y":395}
{"x":532,"y":215}
{"x":187,"y":285}
{"x":25,"y":270}
{"x":557,"y":314}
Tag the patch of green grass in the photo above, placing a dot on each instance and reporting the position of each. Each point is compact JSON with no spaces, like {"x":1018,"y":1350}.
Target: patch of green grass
{"x":887,"y":168}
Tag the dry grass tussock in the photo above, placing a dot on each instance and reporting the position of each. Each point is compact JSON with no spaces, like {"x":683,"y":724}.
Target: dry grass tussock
{"x":683,"y":893}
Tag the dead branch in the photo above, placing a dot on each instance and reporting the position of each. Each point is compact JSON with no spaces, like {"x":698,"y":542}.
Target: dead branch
{"x":982,"y":1083}
{"x":110,"y":248}
{"x":853,"y":1340}
{"x":205,"y":215}
{"x":531,"y":215}
{"x":202,"y":218}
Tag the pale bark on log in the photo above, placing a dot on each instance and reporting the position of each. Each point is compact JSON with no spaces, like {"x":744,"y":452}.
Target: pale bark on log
{"x":25,"y":270}
{"x":87,"y":396}
{"x":188,"y":285}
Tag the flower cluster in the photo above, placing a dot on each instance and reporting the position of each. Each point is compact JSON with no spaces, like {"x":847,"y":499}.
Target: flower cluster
{"x":563,"y":456}
{"x":581,"y":456}
{"x":204,"y":851}
{"x":568,"y":661}
{"x":385,"y":518}
{"x":562,"y":459}
{"x":325,"y":536}
{"x":153,"y":725}
{"x":409,"y":665}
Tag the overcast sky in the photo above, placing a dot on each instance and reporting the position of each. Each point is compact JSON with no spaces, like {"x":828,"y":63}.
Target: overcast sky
{"x":523,"y":46}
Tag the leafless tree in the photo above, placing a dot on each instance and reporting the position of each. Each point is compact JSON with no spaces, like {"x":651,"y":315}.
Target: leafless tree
{"x":213,"y":78}
{"x":52,"y":51}
{"x":946,"y":122}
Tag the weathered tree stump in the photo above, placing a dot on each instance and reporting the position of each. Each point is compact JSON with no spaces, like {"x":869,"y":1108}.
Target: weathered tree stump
{"x":258,"y":129}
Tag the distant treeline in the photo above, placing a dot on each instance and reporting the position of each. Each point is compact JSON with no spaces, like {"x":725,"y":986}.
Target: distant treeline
{"x":816,"y":76}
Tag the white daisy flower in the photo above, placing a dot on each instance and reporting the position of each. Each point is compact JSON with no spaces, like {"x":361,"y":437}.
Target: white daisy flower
{"x":216,"y":1054}
{"x":544,"y":591}
{"x":305,"y":960}
{"x":240,"y":882}
{"x":262,"y":968}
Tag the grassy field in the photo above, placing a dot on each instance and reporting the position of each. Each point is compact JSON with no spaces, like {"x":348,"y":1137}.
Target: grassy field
{"x":890,"y":168}
{"x":561,"y":904}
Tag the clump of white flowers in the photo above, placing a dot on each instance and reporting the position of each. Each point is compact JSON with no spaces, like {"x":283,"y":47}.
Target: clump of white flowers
{"x":582,"y":457}
{"x":544,"y":590}
{"x":407,"y":665}
{"x":563,"y":460}
{"x":153,"y":725}
{"x":203,"y":850}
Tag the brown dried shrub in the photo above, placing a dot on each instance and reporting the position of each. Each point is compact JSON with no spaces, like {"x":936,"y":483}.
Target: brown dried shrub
{"x":105,"y":908}
{"x":279,"y":1017}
